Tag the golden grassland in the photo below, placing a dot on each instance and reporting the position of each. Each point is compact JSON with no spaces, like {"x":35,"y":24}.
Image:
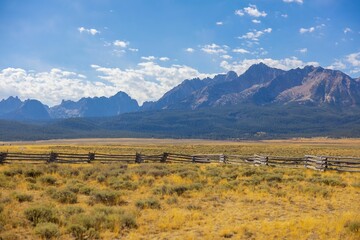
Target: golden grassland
{"x":179,"y":201}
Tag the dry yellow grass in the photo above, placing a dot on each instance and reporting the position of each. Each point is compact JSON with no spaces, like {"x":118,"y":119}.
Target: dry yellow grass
{"x":179,"y":201}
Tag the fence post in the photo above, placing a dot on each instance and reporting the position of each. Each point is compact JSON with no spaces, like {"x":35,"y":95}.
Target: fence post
{"x":164,"y":157}
{"x":193,"y":159}
{"x":91,"y":157}
{"x":2,"y":157}
{"x":324,"y":164}
{"x":138,"y":158}
{"x":222,"y":158}
{"x":53,"y":157}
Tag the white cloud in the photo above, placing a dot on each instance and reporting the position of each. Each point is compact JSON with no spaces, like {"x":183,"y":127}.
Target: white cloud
{"x":219,"y":23}
{"x":252,"y":11}
{"x":239,"y":13}
{"x":306,"y":30}
{"x":133,"y":49}
{"x":164,"y":59}
{"x":240,"y":50}
{"x":256,"y":21}
{"x":347,"y":30}
{"x":190,"y":50}
{"x":91,"y":31}
{"x":149,"y":58}
{"x":122,"y":44}
{"x":284,"y":15}
{"x":285,"y":64}
{"x":354,"y":59}
{"x":49,"y":87}
{"x":254,"y":35}
{"x":337,"y":65}
{"x":148,"y":81}
{"x":295,"y":1}
{"x":303,"y":50}
{"x":214,"y":49}
{"x":226,"y":56}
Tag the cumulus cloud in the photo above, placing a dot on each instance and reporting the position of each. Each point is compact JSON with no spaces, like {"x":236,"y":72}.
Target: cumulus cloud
{"x":214,"y":49}
{"x":240,"y":50}
{"x":49,"y":87}
{"x":354,"y":59}
{"x":149,"y":58}
{"x":251,"y":10}
{"x":295,"y":1}
{"x":347,"y":30}
{"x":148,"y":81}
{"x":255,"y":35}
{"x":164,"y":59}
{"x":219,"y":23}
{"x":91,"y":31}
{"x":303,"y":50}
{"x":256,"y":21}
{"x":226,"y":56}
{"x":306,"y":30}
{"x":122,"y":44}
{"x":190,"y":50}
{"x":337,"y":65}
{"x":285,"y":64}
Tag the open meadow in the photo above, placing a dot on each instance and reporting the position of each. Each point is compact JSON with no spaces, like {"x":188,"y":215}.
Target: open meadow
{"x":179,"y":201}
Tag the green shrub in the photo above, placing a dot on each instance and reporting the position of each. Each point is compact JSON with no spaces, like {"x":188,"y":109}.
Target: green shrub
{"x":33,"y":173}
{"x":22,"y":197}
{"x":128,"y":221}
{"x":63,"y":196}
{"x":47,"y":230}
{"x":81,"y":233}
{"x":72,"y":210}
{"x":101,"y":178}
{"x":49,"y":180}
{"x":353,"y":226}
{"x":13,"y":171}
{"x":148,"y":203}
{"x":107,"y":197}
{"x":118,"y":184}
{"x":41,"y":214}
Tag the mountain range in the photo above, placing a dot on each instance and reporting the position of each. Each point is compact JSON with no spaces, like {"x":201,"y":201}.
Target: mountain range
{"x":262,"y":102}
{"x":260,"y":85}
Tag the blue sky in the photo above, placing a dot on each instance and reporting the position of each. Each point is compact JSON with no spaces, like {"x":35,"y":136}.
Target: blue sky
{"x":68,"y":49}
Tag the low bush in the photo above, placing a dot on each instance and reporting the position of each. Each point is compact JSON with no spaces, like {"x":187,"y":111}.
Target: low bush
{"x":107,"y":197}
{"x":41,"y":214}
{"x":148,"y":203}
{"x":353,"y":226}
{"x":47,"y":230}
{"x":63,"y":196}
{"x":33,"y":173}
{"x":48,"y":180}
{"x":23,"y":197}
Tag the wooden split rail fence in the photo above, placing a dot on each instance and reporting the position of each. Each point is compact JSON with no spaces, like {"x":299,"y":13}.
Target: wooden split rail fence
{"x":321,"y":163}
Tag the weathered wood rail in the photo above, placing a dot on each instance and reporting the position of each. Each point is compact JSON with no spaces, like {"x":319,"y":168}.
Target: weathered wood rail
{"x":320,"y":163}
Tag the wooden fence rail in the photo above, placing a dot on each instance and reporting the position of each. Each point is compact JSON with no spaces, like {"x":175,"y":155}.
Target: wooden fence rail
{"x":320,"y":163}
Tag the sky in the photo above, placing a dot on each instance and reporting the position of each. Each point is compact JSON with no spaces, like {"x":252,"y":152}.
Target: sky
{"x":69,"y":49}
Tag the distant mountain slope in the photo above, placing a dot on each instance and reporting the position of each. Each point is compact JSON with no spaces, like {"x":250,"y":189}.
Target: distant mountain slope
{"x":264,"y":85}
{"x":29,"y":110}
{"x":9,"y":105}
{"x":95,"y":107}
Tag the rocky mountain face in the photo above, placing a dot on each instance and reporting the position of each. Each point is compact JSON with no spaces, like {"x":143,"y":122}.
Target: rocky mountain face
{"x":9,"y":105}
{"x":14,"y":108}
{"x":264,"y":85}
{"x":29,"y":110}
{"x":95,"y":107}
{"x":259,"y":85}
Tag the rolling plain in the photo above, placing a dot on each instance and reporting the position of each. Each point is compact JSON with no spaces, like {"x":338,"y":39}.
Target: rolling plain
{"x":179,"y":201}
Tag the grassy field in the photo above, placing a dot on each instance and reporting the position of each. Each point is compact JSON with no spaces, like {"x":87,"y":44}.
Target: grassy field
{"x":179,"y":201}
